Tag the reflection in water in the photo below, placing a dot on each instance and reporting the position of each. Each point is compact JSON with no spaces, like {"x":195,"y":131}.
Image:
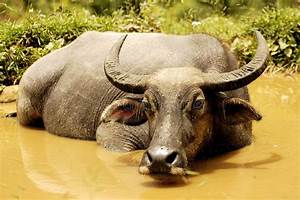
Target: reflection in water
{"x":35,"y":164}
{"x":257,"y":164}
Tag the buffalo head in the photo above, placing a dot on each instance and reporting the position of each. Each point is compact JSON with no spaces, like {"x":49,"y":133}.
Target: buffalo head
{"x":179,"y":105}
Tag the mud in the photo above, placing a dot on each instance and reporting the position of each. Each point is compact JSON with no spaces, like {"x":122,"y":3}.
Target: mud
{"x":37,"y":165}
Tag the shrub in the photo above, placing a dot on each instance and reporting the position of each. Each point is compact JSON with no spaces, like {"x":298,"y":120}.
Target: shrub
{"x":23,"y":42}
{"x":36,"y":35}
{"x":281,"y":28}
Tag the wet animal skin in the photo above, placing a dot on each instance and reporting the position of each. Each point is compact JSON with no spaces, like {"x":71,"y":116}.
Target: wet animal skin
{"x":178,"y":97}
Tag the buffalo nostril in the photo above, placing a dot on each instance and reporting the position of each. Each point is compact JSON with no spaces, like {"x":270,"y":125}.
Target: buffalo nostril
{"x":171,"y":158}
{"x":149,"y":157}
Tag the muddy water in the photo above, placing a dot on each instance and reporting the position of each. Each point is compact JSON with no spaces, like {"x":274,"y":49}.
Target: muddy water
{"x":37,"y":165}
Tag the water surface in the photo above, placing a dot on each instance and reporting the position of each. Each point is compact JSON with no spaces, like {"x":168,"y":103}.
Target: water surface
{"x":37,"y":165}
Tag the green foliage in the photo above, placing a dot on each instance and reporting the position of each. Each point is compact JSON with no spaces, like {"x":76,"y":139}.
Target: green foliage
{"x":37,"y":34}
{"x":222,"y":27}
{"x":22,"y":43}
{"x":197,"y":8}
{"x":282,"y":30}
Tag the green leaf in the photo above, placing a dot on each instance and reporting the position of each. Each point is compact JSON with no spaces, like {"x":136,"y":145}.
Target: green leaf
{"x":283,"y":45}
{"x":288,"y":52}
{"x":274,"y":48}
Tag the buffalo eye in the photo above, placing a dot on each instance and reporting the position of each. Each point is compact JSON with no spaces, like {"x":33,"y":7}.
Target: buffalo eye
{"x":198,"y":104}
{"x":128,"y":107}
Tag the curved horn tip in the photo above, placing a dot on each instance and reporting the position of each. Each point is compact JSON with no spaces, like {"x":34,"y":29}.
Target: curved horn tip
{"x":125,"y":81}
{"x":120,"y":42}
{"x":246,"y":74}
{"x":259,"y":35}
{"x":123,"y":38}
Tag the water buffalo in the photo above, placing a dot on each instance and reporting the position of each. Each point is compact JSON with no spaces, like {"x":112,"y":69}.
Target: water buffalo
{"x":175,"y":96}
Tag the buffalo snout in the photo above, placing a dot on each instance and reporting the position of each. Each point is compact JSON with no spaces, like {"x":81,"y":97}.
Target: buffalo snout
{"x":163,"y":160}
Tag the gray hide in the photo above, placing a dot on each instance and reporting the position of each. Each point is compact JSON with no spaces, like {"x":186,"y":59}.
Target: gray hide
{"x":67,"y":90}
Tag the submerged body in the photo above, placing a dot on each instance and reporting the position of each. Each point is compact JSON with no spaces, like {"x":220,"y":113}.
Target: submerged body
{"x":71,"y":93}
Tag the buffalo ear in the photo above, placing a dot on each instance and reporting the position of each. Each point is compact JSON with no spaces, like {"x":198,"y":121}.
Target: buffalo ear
{"x":236,"y":111}
{"x":128,"y":111}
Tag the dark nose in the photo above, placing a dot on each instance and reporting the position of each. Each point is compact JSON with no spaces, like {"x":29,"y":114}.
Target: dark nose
{"x":162,"y":159}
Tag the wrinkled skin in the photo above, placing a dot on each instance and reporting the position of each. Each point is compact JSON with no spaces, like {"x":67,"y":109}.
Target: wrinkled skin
{"x":69,"y":94}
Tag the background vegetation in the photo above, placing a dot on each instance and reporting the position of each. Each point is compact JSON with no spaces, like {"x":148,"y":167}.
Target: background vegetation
{"x":30,"y":29}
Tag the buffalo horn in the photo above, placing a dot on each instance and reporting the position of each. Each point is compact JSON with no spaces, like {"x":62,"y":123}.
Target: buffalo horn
{"x":240,"y":77}
{"x":125,"y":81}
